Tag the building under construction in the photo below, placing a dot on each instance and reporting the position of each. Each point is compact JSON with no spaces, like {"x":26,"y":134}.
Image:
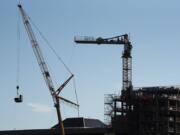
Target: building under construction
{"x":149,"y":111}
{"x":141,"y":111}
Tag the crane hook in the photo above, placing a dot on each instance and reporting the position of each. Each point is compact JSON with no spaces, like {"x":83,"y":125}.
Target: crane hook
{"x":19,"y":97}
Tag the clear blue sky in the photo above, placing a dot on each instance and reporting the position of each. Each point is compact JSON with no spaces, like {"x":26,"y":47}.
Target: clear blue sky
{"x":154,"y":28}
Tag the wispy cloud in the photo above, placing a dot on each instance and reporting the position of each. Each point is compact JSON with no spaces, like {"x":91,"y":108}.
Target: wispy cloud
{"x":36,"y":107}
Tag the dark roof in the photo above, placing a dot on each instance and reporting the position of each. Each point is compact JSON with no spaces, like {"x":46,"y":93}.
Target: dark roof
{"x":73,"y":126}
{"x":68,"y":131}
{"x":82,"y":122}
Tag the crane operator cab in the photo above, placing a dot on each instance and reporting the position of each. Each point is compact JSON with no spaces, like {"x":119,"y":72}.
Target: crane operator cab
{"x":19,"y":97}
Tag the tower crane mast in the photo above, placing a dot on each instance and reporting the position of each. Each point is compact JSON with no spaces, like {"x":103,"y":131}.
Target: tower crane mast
{"x":126,"y":56}
{"x":44,"y":69}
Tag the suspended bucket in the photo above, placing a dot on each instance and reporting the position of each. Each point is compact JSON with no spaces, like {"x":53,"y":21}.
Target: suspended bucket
{"x":19,"y":98}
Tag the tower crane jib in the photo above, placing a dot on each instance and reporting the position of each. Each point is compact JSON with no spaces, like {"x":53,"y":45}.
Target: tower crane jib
{"x":126,"y":56}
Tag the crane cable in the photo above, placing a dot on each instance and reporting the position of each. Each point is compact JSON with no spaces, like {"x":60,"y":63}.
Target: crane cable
{"x":18,"y":55}
{"x":52,"y":49}
{"x":47,"y":42}
{"x":50,"y":46}
{"x":59,"y":58}
{"x":74,"y":84}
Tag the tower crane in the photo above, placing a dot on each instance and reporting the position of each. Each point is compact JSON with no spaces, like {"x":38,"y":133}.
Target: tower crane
{"x":44,"y":69}
{"x":126,"y":57}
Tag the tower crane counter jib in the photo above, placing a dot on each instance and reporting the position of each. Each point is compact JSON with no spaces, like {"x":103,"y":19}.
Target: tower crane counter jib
{"x":126,"y":57}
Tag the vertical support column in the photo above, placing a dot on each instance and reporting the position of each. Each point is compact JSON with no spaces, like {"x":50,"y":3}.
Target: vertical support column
{"x":115,"y":108}
{"x":157,"y":114}
{"x":127,"y":73}
{"x":122,"y":107}
{"x":127,"y":69}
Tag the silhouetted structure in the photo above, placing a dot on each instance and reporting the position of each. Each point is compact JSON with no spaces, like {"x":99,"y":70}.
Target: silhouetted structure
{"x":153,"y":111}
{"x":73,"y":126}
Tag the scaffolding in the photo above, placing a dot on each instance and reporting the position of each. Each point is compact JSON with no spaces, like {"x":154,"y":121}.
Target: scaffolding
{"x":152,"y":111}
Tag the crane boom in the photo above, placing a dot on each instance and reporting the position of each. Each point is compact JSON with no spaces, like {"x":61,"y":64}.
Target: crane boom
{"x":43,"y":66}
{"x":126,"y":56}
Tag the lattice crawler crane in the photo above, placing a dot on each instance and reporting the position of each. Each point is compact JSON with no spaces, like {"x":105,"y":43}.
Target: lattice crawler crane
{"x":44,"y":69}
